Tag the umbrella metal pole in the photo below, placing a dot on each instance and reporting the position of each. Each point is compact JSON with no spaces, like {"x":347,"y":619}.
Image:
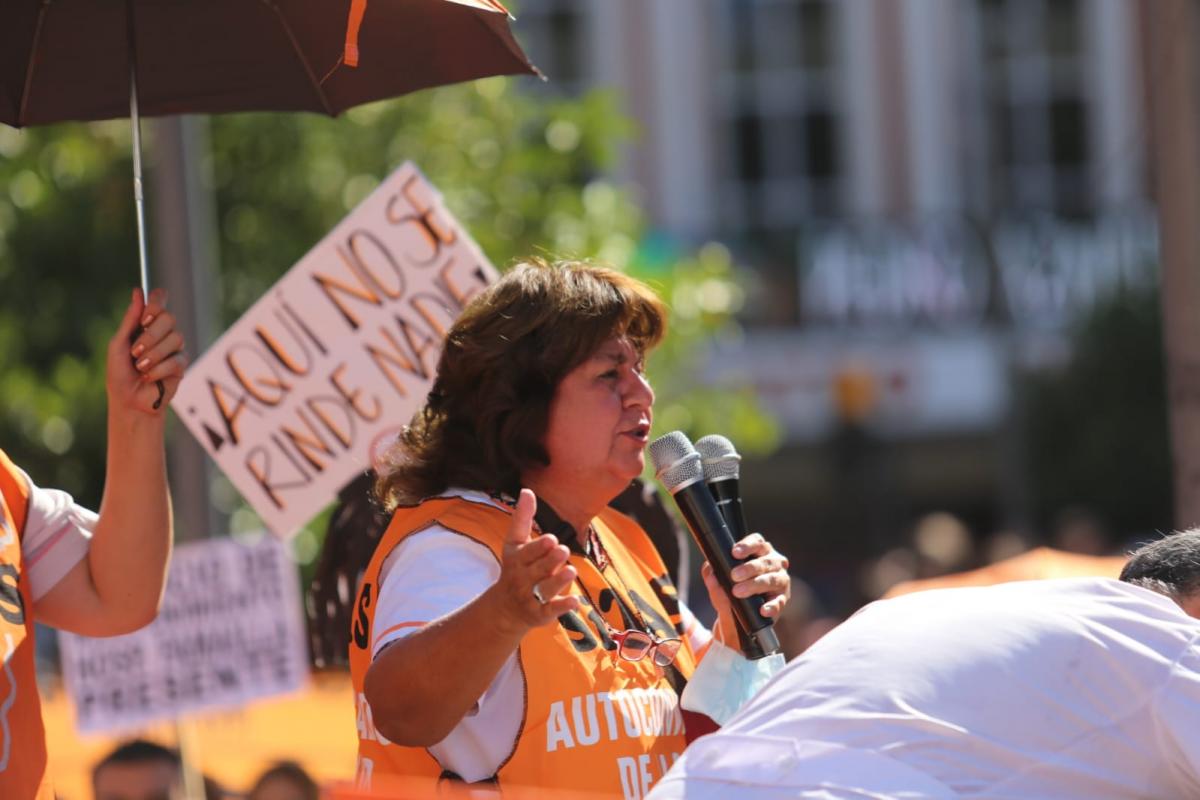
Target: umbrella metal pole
{"x":139,"y":200}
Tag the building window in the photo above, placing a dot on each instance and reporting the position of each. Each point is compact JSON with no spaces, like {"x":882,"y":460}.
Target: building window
{"x":553,"y":35}
{"x":778,"y":105}
{"x":1037,"y":149}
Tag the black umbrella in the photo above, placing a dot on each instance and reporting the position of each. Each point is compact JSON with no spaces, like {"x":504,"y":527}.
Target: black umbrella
{"x":101,"y":59}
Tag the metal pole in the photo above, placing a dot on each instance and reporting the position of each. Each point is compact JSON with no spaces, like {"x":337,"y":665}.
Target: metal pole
{"x":139,"y":201}
{"x":189,"y":759}
{"x":138,"y":198}
{"x":185,"y":252}
{"x":1175,"y":127}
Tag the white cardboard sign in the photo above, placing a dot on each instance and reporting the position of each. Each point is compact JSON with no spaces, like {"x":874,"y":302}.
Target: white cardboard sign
{"x":291,"y":401}
{"x":231,"y":630}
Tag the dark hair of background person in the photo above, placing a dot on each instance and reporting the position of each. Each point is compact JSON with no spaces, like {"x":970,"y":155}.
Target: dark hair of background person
{"x":354,"y":529}
{"x":142,"y":751}
{"x":643,"y":503}
{"x":136,"y":751}
{"x":213,"y":790}
{"x":1170,"y":565}
{"x":485,"y":417}
{"x":306,"y":788}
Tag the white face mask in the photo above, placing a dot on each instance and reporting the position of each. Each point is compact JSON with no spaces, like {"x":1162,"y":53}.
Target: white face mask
{"x":725,"y":679}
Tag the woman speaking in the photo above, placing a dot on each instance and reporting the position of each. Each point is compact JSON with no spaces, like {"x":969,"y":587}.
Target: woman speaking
{"x":512,"y":628}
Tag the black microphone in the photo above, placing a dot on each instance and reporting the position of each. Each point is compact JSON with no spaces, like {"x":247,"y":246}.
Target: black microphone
{"x":678,"y":466}
{"x":720,"y":462}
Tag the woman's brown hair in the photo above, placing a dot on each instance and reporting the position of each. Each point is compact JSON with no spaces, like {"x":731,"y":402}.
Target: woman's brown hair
{"x":485,"y":417}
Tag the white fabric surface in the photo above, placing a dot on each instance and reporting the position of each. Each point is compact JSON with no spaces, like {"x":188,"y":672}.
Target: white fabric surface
{"x":57,"y":535}
{"x":776,"y":768}
{"x":1080,"y":688}
{"x":434,"y":572}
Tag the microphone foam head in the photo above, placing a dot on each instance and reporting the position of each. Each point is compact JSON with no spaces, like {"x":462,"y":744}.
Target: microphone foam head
{"x":676,"y":462}
{"x":719,"y":457}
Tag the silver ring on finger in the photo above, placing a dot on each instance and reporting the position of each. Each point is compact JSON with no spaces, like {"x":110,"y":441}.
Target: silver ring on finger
{"x":537,"y":595}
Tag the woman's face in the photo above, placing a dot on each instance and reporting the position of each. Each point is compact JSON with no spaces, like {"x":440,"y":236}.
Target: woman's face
{"x":600,"y":421}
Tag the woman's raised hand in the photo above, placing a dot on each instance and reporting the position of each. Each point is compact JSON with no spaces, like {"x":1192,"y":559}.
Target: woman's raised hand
{"x":533,"y":573}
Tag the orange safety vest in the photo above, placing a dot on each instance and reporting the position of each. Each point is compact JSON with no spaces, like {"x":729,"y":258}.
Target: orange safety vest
{"x":22,"y":737}
{"x":592,"y":723}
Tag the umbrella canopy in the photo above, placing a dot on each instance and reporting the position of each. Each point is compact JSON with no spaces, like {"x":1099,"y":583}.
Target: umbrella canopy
{"x":71,"y":59}
{"x":1037,"y":564}
{"x":83,"y":60}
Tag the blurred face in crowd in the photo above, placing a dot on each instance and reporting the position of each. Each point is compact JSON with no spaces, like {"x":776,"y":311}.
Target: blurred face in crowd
{"x":600,"y":422}
{"x":156,"y":779}
{"x":280,"y":787}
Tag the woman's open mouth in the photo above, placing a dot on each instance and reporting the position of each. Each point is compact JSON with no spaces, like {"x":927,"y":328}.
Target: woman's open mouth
{"x":641,"y":432}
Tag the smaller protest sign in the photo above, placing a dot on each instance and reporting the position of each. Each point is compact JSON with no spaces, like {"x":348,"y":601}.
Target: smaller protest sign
{"x":231,"y":630}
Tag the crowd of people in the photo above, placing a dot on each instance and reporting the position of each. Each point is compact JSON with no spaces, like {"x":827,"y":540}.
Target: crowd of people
{"x":942,"y":550}
{"x":511,"y":627}
{"x":139,"y":769}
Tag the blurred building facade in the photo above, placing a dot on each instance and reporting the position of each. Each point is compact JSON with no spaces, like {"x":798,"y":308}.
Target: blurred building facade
{"x":927,"y":191}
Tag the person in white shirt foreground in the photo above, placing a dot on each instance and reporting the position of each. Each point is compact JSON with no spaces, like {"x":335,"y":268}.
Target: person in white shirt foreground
{"x":1077,"y":688}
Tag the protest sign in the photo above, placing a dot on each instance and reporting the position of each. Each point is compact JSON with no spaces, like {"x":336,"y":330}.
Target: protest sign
{"x":337,"y":355}
{"x":231,"y":630}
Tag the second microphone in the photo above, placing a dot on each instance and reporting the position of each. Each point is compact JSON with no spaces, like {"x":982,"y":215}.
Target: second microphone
{"x":680,"y":468}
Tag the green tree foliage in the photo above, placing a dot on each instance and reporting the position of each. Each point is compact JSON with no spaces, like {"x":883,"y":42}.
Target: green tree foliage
{"x":525,"y":173}
{"x":67,"y":261}
{"x":1098,"y":437}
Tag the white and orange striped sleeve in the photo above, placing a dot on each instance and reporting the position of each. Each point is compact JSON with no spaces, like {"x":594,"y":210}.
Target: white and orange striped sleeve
{"x":57,"y":535}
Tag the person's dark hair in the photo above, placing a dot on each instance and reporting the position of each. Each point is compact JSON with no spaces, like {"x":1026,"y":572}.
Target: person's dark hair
{"x":289,"y":771}
{"x":1170,"y":565}
{"x":355,"y":527}
{"x":485,"y":417}
{"x":136,"y":751}
{"x":213,"y":790}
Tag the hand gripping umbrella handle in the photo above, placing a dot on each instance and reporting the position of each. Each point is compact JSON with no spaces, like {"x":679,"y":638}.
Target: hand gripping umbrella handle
{"x":162,"y":390}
